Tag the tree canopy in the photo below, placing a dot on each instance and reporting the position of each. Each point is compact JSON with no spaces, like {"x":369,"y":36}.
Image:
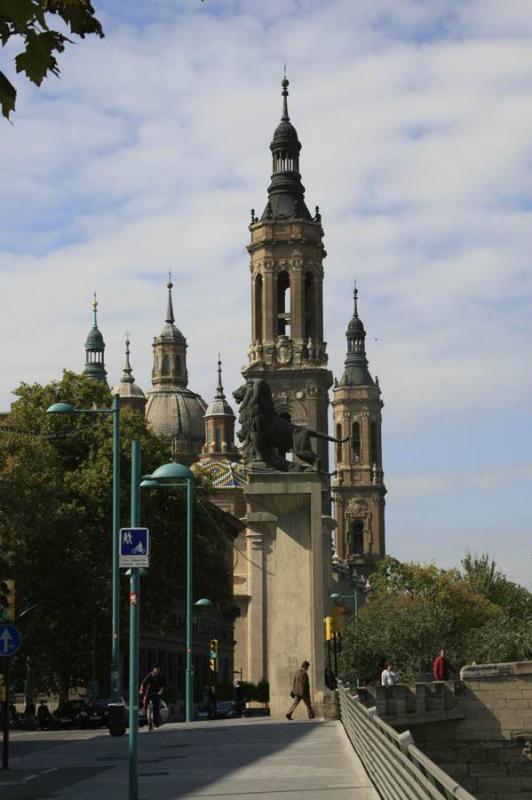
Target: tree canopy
{"x":56,"y":520}
{"x":33,"y":23}
{"x":414,"y":610}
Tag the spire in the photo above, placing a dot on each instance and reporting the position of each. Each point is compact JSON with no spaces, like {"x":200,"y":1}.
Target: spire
{"x":95,"y":349}
{"x":285,"y":84}
{"x":219,"y":406}
{"x":286,"y":194}
{"x":219,"y":389}
{"x":169,"y":308}
{"x":127,"y":374}
{"x":356,"y":372}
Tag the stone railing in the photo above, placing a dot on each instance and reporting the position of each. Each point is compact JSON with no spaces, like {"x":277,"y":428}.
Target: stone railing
{"x":397,"y":768}
{"x":414,"y":705}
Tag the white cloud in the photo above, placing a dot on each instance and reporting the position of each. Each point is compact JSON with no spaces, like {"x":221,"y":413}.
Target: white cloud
{"x":149,"y":152}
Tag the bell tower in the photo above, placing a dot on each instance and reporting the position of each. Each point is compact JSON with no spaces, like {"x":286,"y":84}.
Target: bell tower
{"x":358,"y":485}
{"x":286,"y":266}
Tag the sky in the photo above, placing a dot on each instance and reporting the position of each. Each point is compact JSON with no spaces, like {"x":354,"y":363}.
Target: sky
{"x":149,"y":151}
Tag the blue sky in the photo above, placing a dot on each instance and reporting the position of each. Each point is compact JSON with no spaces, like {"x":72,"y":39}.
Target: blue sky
{"x":415,"y":118}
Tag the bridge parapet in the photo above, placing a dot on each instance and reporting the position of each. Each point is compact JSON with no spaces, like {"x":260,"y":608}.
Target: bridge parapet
{"x":397,"y":767}
{"x":404,"y":705}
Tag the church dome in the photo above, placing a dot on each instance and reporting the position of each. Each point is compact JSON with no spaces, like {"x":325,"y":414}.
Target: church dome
{"x":177,"y":412}
{"x":94,"y":340}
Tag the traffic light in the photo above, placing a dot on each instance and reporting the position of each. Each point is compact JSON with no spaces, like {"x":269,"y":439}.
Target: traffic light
{"x":7,"y":601}
{"x":213,"y":655}
{"x":328,"y":628}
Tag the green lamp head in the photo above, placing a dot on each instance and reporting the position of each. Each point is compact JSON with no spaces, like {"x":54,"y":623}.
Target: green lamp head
{"x":335,"y":596}
{"x":61,"y":408}
{"x":172,"y":472}
{"x":204,"y":602}
{"x":149,"y":483}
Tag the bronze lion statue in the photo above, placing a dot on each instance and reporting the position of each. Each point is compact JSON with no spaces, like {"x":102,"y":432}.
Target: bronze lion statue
{"x":265,"y":434}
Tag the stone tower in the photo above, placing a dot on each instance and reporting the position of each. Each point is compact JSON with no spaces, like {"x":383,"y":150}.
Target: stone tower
{"x":95,"y":350}
{"x":220,"y":425}
{"x":172,"y":409}
{"x":131,"y":395}
{"x":358,"y":485}
{"x":287,"y":252}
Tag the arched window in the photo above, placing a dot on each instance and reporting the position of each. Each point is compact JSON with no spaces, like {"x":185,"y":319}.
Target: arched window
{"x":217,"y":439}
{"x":177,"y":365}
{"x":283,"y":304}
{"x":338,"y":444}
{"x":355,"y":442}
{"x":308,"y":306}
{"x":373,"y":444}
{"x":257,"y":334}
{"x":356,"y":537}
{"x":166,"y":364}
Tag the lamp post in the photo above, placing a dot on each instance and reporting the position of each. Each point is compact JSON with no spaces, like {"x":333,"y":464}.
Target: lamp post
{"x":66,"y":408}
{"x":360,"y":584}
{"x":168,"y":476}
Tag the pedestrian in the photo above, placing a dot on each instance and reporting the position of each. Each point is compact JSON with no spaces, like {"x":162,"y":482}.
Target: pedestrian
{"x":239,"y":696}
{"x":212,"y":702}
{"x":301,"y":691}
{"x":43,"y":716}
{"x":442,"y":667}
{"x":152,"y":688}
{"x":389,"y":675}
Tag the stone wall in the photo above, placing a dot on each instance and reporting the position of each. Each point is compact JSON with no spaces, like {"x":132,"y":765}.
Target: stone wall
{"x":484,"y":750}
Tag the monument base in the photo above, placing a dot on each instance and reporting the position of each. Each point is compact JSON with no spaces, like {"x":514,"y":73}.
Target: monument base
{"x":289,"y":584}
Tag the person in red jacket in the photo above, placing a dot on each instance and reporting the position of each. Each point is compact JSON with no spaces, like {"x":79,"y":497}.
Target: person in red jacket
{"x":442,"y":667}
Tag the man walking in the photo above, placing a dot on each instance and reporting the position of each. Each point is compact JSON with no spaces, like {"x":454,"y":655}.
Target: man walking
{"x":152,"y":688}
{"x":301,"y":691}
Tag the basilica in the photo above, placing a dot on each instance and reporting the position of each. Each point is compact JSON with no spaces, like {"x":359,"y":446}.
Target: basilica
{"x":288,"y":349}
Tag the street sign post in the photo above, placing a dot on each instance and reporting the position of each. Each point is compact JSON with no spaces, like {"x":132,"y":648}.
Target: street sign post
{"x":10,"y":643}
{"x":10,"y":640}
{"x":134,"y":547}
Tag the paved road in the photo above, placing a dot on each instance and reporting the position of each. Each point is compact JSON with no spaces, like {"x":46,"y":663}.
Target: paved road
{"x":240,"y":759}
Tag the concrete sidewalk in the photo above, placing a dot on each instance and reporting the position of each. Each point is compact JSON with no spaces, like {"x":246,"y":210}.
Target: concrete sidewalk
{"x":241,"y":759}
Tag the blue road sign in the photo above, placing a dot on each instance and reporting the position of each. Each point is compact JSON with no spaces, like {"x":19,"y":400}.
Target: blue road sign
{"x":10,"y":640}
{"x":134,"y":547}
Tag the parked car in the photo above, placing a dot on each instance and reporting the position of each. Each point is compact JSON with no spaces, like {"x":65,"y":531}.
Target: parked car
{"x":70,"y":714}
{"x":225,"y":709}
{"x":163,"y":710}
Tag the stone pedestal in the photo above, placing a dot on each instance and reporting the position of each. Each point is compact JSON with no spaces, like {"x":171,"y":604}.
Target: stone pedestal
{"x":289,"y":581}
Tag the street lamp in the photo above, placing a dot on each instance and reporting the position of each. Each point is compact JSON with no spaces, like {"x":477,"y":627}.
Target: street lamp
{"x":359,"y":584}
{"x":66,"y":408}
{"x":168,"y":476}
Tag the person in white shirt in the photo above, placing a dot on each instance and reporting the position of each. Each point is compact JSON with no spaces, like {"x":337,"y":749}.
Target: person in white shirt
{"x":389,"y":677}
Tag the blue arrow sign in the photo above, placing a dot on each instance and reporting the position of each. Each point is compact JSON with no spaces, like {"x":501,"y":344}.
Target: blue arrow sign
{"x":10,"y":640}
{"x":134,"y":547}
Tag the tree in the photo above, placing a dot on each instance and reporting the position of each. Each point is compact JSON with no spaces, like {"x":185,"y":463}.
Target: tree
{"x":55,"y":524}
{"x":30,"y":21}
{"x":477,"y":614}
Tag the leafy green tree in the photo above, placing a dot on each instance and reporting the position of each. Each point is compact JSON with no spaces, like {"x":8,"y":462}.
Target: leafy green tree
{"x":55,"y":528}
{"x":476,"y":614}
{"x":30,"y":21}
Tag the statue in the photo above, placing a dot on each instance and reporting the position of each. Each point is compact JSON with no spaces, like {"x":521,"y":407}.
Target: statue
{"x":265,"y":434}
